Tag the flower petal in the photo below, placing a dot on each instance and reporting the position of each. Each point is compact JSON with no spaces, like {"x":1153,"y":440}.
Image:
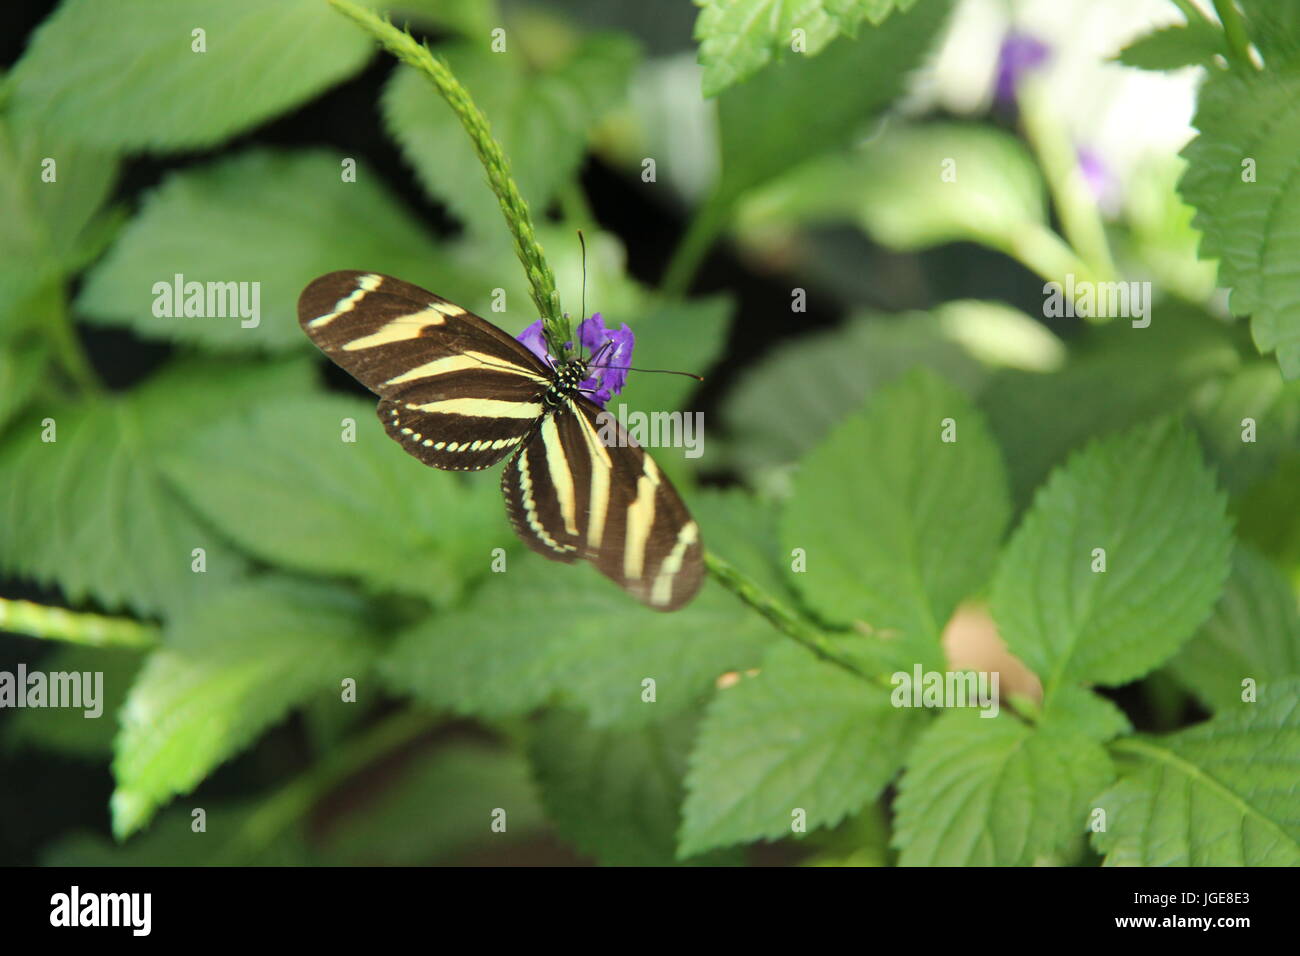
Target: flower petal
{"x":535,"y":340}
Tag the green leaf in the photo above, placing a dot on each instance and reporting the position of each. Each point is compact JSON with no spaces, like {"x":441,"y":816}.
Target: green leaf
{"x":933,"y":513}
{"x":616,"y":795}
{"x":865,"y":75}
{"x":906,"y":203}
{"x":1117,"y":377}
{"x":172,"y":841}
{"x":1147,"y":499}
{"x":738,"y":37}
{"x":684,"y":336}
{"x":914,"y":187}
{"x":1220,"y":409}
{"x":1000,"y":335}
{"x":1249,"y":225}
{"x":441,"y":804}
{"x":996,"y":792}
{"x":283,"y":483}
{"x":666,"y":118}
{"x":1219,"y":794}
{"x":742,"y":528}
{"x":1253,"y":633}
{"x":860,"y":841}
{"x":228,"y":670}
{"x":801,"y":735}
{"x":472,"y":18}
{"x":541,"y":119}
{"x":1171,"y":48}
{"x":128,"y":78}
{"x":1089,"y":713}
{"x":90,"y":512}
{"x":1267,"y":517}
{"x":1275,"y":29}
{"x":273,"y":220}
{"x":45,"y":222}
{"x":542,"y":629}
{"x":1159,"y":232}
{"x":68,"y":730}
{"x":822,"y":376}
{"x":23,"y":369}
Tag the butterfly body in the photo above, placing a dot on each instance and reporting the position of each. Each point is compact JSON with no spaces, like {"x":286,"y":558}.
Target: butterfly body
{"x":568,"y":379}
{"x":460,"y":394}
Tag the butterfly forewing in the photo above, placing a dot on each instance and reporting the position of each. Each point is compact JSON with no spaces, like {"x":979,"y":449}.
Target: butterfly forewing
{"x":459,"y":393}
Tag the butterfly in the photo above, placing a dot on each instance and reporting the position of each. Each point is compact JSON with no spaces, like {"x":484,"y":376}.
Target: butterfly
{"x":460,"y":394}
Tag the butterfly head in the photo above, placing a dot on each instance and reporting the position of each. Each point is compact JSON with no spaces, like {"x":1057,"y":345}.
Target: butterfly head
{"x":569,"y":377}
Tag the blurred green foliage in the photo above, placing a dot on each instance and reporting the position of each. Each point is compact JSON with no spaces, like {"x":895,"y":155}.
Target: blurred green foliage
{"x":882,"y":471}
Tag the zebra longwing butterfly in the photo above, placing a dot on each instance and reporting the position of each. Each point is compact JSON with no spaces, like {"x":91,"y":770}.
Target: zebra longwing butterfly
{"x":458,"y":393}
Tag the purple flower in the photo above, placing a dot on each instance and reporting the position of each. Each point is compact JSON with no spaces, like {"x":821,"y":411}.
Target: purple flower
{"x":1020,"y":54}
{"x":1096,"y":174}
{"x":608,"y":347}
{"x":608,"y":350}
{"x":536,"y":341}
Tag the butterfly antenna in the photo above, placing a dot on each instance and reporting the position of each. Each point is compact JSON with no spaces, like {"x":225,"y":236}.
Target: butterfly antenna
{"x":583,"y":242}
{"x":661,"y":371}
{"x":608,"y":343}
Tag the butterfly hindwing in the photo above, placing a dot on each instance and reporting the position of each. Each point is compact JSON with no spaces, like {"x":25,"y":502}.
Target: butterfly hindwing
{"x":580,"y":487}
{"x":457,"y":392}
{"x":542,"y":499}
{"x":453,"y":442}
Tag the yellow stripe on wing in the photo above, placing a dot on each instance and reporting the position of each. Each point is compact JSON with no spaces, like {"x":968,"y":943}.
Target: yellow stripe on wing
{"x":463,"y":362}
{"x":480,"y":408}
{"x":401,"y":329}
{"x":365,"y":285}
{"x":601,"y":467}
{"x":640,"y":519}
{"x":557,"y":464}
{"x":662,"y":591}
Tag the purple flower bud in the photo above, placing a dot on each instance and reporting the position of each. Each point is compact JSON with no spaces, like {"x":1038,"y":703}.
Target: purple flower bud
{"x":1021,"y":53}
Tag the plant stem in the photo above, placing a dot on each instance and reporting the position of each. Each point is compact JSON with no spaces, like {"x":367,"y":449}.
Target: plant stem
{"x":89,"y":630}
{"x":700,"y":235}
{"x":63,"y":336}
{"x":295,"y":799}
{"x":542,"y":281}
{"x":1192,"y":12}
{"x":1080,"y":215}
{"x":781,"y":617}
{"x":1042,"y":251}
{"x":1235,"y":32}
